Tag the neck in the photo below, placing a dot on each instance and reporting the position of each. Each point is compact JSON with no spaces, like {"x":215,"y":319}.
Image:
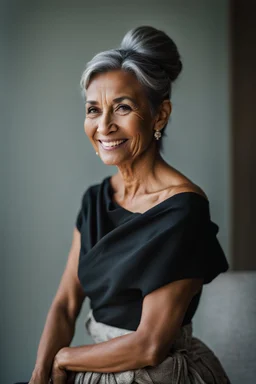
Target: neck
{"x":142,"y":176}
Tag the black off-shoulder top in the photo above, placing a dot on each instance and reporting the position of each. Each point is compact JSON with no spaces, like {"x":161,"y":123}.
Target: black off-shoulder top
{"x":124,"y":255}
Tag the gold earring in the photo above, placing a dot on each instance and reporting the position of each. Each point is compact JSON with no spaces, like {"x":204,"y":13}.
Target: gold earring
{"x":97,"y":153}
{"x":157,"y":135}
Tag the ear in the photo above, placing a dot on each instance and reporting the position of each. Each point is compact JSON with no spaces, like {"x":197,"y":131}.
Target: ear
{"x":163,"y":115}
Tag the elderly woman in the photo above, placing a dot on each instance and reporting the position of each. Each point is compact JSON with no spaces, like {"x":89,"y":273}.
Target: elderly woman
{"x":144,"y":243}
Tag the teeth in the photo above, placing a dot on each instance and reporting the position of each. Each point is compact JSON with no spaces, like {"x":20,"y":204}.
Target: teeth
{"x":112,"y":143}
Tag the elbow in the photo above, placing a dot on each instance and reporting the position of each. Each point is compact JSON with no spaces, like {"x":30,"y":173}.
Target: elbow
{"x":152,"y":351}
{"x":155,"y":356}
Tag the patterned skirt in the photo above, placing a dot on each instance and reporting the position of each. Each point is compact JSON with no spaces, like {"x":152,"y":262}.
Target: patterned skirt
{"x":189,"y":361}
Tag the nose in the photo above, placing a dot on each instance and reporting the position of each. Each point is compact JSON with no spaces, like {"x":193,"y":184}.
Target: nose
{"x":106,"y":124}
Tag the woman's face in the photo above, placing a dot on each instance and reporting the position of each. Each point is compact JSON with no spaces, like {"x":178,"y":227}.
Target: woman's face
{"x":118,"y":119}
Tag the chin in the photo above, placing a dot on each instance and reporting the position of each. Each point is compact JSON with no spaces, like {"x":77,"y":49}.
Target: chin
{"x":111,"y":160}
{"x":108,"y":162}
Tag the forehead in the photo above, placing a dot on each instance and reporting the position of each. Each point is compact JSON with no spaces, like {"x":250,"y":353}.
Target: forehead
{"x":113,"y":84}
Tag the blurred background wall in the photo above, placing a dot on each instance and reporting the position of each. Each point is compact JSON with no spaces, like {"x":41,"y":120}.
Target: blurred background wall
{"x":243,"y":137}
{"x":49,"y":162}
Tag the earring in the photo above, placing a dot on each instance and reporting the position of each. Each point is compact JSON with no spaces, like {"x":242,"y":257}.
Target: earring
{"x":157,"y":135}
{"x":97,"y":153}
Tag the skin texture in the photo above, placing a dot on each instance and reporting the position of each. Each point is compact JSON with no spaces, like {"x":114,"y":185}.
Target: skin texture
{"x":117,"y":108}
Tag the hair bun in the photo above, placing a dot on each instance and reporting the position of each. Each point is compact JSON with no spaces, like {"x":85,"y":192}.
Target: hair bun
{"x":155,"y":46}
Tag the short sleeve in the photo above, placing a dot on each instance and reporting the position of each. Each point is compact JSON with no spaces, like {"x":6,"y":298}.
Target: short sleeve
{"x":78,"y":221}
{"x":189,"y":249}
{"x":82,"y":212}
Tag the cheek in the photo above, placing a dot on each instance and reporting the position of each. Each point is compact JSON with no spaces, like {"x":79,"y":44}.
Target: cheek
{"x":141,"y":141}
{"x":136,"y":124}
{"x":88,"y":128}
{"x":141,"y":131}
{"x":137,"y":143}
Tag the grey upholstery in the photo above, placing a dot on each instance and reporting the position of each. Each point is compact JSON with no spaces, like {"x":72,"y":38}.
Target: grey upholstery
{"x":226,"y":322}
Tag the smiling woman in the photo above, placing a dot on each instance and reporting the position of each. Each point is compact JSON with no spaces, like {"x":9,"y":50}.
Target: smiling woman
{"x":118,"y":119}
{"x":144,"y":242}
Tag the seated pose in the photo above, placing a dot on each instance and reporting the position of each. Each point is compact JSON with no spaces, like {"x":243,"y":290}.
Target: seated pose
{"x":144,"y":242}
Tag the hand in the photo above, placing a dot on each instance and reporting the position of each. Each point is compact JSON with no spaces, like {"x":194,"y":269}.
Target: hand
{"x":59,"y":374}
{"x":39,"y":378}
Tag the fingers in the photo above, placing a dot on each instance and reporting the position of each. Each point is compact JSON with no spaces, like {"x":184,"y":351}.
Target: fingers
{"x":59,"y":379}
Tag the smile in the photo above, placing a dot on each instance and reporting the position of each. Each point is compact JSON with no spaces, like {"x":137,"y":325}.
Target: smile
{"x":111,"y":145}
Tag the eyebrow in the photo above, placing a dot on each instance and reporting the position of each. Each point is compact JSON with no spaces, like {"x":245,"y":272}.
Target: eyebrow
{"x":116,"y":100}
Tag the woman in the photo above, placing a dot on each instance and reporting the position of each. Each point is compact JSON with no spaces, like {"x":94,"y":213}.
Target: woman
{"x":144,"y":243}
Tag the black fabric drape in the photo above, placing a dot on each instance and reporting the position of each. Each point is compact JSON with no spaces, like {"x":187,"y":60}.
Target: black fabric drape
{"x":124,"y":256}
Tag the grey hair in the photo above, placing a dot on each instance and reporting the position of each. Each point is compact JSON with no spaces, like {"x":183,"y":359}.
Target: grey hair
{"x":150,"y":54}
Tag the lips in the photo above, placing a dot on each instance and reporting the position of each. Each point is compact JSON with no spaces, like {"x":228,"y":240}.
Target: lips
{"x":112,"y":144}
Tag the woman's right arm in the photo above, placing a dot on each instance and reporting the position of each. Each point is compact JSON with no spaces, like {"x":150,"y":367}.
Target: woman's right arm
{"x":60,"y":322}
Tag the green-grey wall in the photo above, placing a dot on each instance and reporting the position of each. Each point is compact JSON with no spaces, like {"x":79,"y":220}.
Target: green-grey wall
{"x":49,"y":162}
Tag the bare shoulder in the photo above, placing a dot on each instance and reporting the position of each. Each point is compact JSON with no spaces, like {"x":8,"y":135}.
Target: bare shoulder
{"x":190,"y":187}
{"x":180,"y":183}
{"x":174,"y":182}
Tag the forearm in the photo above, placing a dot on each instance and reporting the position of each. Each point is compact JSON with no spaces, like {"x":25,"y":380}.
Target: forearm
{"x":118,"y":354}
{"x":128,"y":352}
{"x":58,"y":333}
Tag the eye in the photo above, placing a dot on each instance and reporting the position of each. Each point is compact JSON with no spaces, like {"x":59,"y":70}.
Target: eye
{"x":123,"y":108}
{"x":92,"y":110}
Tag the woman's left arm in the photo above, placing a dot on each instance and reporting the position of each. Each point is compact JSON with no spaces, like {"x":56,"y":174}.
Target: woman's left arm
{"x":162,"y":315}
